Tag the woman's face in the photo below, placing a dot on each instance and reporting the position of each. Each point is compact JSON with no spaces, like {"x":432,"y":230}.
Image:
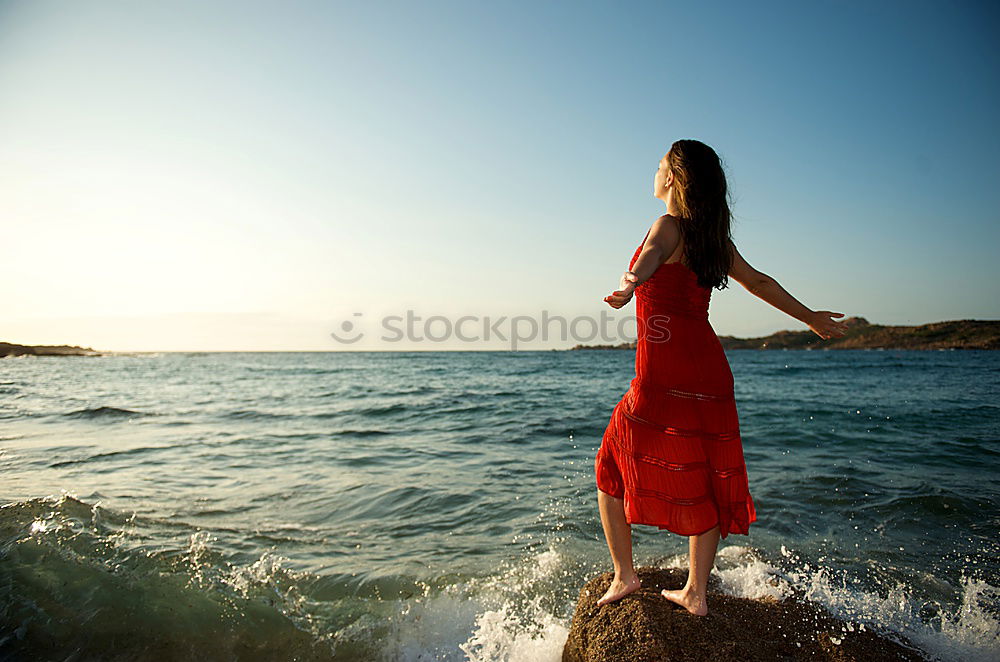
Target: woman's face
{"x":662,"y":178}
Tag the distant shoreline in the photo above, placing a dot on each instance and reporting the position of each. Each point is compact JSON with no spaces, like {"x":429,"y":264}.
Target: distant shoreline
{"x":10,"y":349}
{"x":954,"y":334}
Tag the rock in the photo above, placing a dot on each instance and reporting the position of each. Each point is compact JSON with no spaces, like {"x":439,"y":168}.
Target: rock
{"x":10,"y":349}
{"x":645,"y":627}
{"x":862,"y":334}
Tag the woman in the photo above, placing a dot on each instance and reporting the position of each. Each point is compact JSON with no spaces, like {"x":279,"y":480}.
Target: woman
{"x":672,"y":456}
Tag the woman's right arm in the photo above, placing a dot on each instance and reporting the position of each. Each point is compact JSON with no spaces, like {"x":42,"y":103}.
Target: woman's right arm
{"x":768,"y":289}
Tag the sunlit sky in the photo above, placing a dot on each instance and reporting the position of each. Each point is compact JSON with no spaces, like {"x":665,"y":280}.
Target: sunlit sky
{"x":248,"y":176}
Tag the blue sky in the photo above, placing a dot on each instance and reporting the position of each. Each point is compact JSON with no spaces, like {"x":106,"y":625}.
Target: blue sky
{"x":238,"y":176}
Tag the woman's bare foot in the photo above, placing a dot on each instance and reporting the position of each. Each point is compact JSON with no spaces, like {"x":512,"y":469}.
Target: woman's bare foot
{"x":695,"y":604}
{"x":620,"y":589}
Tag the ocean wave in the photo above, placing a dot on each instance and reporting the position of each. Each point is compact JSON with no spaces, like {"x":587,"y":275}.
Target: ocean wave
{"x":254,"y":414}
{"x":81,"y":583}
{"x":301,"y":370}
{"x":968,"y":629}
{"x":520,"y":612}
{"x":517,"y":613}
{"x":379,"y":410}
{"x":104,"y":413}
{"x":364,"y":432}
{"x":83,"y":578}
{"x":126,"y":453}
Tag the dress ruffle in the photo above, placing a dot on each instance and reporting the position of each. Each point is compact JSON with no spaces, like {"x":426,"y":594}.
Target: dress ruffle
{"x":686,"y":476}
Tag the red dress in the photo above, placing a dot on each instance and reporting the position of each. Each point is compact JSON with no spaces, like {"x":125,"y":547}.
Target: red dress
{"x":672,"y":449}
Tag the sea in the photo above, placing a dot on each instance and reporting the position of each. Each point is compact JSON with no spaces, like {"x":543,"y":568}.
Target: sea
{"x":414,"y":506}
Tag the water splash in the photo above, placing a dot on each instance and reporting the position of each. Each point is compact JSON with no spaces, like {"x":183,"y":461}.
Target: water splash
{"x":968,"y":631}
{"x":506,"y":617}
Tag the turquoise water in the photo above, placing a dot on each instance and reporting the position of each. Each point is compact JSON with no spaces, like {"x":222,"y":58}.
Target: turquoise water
{"x":442,"y":505}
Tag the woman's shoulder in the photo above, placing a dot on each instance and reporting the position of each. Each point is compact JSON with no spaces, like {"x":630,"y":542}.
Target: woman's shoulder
{"x":669,"y":218}
{"x":665,"y":233}
{"x":666,"y":229}
{"x":665,"y":225}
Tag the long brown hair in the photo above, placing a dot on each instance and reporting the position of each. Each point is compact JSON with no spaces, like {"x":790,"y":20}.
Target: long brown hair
{"x":702,"y":199}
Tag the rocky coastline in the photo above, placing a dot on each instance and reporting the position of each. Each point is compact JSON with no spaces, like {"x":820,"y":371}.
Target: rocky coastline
{"x":10,"y":349}
{"x":861,"y":334}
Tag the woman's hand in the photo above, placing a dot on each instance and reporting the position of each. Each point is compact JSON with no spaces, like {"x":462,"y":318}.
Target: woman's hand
{"x":623,"y":294}
{"x":823,"y":326}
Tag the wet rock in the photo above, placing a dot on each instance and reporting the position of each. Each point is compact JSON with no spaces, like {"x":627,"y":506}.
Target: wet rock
{"x":644,"y":626}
